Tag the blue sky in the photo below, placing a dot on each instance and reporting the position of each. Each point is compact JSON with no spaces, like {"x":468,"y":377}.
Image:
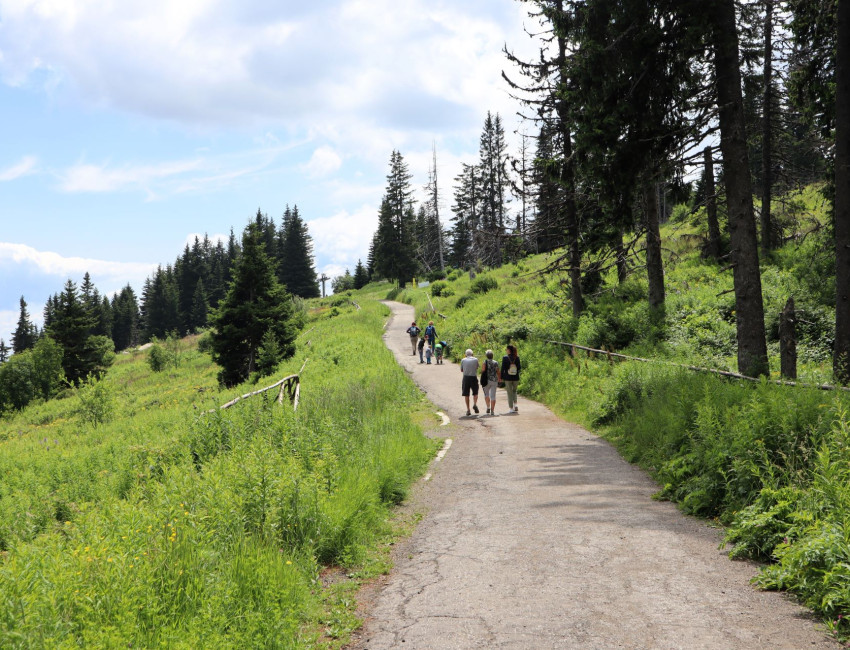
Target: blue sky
{"x":129,"y":127}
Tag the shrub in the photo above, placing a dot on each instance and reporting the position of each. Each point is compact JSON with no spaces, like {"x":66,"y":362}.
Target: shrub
{"x":157,"y":357}
{"x":392,"y":294}
{"x":437,"y":288}
{"x":484,"y":284}
{"x":436,"y":274}
{"x":97,"y":401}
{"x":462,"y":301}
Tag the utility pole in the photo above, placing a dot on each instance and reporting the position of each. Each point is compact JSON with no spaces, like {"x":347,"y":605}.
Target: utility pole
{"x":324,"y":278}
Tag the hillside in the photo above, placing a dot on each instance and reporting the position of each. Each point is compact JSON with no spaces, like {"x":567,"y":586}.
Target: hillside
{"x":132,"y":516}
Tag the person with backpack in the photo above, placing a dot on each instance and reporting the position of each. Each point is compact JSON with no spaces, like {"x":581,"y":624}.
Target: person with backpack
{"x":431,"y":334}
{"x":511,"y":367}
{"x":413,"y":331}
{"x":493,"y":376}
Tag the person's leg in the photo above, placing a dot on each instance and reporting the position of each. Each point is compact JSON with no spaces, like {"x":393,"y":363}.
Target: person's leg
{"x":466,"y":398}
{"x":510,"y":389}
{"x":475,"y":398}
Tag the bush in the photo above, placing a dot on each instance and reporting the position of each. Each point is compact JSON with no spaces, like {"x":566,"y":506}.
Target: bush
{"x":436,"y":274}
{"x":484,"y":284}
{"x":392,"y":294}
{"x":437,"y":288}
{"x":462,"y":301}
{"x":97,"y":401}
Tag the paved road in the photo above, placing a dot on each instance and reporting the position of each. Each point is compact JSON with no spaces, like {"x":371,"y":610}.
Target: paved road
{"x":538,"y":535}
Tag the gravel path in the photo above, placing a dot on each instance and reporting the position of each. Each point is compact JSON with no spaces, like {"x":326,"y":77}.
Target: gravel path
{"x":538,"y":535}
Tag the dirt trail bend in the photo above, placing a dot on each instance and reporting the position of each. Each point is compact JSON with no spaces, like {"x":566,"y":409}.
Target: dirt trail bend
{"x":538,"y":535}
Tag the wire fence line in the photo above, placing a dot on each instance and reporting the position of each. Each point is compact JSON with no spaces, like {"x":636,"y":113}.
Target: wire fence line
{"x":611,"y":356}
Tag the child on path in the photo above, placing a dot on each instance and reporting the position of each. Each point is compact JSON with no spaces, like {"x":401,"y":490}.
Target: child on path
{"x":438,"y":353}
{"x":428,"y":355}
{"x":421,"y":348}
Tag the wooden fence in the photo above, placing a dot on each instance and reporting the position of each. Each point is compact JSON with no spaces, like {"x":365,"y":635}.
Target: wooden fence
{"x":611,"y":356}
{"x":289,"y":387}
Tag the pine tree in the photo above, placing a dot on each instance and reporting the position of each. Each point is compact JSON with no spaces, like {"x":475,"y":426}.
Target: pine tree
{"x":71,"y":329}
{"x":495,"y":187}
{"x":200,"y":307}
{"x":296,"y":270}
{"x":466,"y":230}
{"x":255,"y":304}
{"x":125,"y":310}
{"x":24,"y":336}
{"x":361,"y":277}
{"x":4,"y":351}
{"x":160,"y":304}
{"x":395,"y":249}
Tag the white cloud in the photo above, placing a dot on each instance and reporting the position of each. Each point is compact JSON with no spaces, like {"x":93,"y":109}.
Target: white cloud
{"x":344,"y":238}
{"x":24,"y":167}
{"x":49,"y":263}
{"x":400,"y":65}
{"x":85,"y":177}
{"x":323,"y":162}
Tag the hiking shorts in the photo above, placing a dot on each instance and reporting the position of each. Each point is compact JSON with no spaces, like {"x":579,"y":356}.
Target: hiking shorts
{"x":469,"y":384}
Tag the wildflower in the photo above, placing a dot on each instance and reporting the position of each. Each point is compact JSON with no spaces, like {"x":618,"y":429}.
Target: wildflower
{"x":289,"y":561}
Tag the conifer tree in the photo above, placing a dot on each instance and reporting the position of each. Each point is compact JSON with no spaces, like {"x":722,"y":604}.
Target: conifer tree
{"x":255,"y":304}
{"x":361,"y":277}
{"x":4,"y":351}
{"x":24,"y":336}
{"x":296,"y":270}
{"x":395,"y":250}
{"x":125,"y":310}
{"x":200,"y":307}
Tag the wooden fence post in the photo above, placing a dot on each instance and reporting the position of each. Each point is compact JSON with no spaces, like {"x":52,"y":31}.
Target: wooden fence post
{"x":788,"y":340}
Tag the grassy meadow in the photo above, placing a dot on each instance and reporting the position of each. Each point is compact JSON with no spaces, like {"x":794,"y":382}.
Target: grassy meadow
{"x":771,"y":463}
{"x":131,"y":516}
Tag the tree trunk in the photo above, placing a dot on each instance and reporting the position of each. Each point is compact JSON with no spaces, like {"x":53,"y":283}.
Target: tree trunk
{"x":654,"y":263}
{"x":767,"y":233}
{"x":713,"y":248}
{"x":749,"y":307}
{"x":841,"y":358}
{"x":620,"y":250}
{"x":568,"y":182}
{"x":788,"y":341}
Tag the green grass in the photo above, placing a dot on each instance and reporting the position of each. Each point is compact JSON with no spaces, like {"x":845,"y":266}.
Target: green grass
{"x":166,"y":525}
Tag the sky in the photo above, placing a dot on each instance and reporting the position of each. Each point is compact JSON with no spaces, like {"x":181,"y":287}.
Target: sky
{"x":127,"y":128}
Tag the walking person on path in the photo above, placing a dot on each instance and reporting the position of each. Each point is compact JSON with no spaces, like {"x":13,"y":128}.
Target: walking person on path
{"x":469,"y":368}
{"x":421,"y":348}
{"x":413,"y":331}
{"x":431,"y":334}
{"x":511,"y":367}
{"x":494,"y":376}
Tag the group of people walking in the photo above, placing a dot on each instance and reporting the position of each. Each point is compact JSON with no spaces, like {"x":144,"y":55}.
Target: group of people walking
{"x":488,"y":377}
{"x":426,"y":343}
{"x":492,"y":376}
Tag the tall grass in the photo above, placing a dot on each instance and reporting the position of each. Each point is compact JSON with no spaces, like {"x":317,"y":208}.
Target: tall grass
{"x":167,"y":525}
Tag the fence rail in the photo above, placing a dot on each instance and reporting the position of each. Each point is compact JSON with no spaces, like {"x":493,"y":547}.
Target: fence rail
{"x":289,"y":386}
{"x":723,"y":373}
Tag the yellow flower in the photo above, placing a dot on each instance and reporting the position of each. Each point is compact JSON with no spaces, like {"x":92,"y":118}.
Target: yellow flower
{"x":289,"y":561}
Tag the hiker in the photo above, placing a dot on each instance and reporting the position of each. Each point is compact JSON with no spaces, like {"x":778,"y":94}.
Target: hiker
{"x":428,"y":355}
{"x":510,"y":375}
{"x":438,"y":353}
{"x":413,"y":331}
{"x":494,"y":376}
{"x":421,"y":348}
{"x":469,"y":368}
{"x":431,"y":334}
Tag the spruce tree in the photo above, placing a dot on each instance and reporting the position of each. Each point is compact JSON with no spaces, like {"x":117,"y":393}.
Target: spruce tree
{"x":361,"y":277}
{"x":395,"y":247}
{"x":296,"y":270}
{"x":255,"y":304}
{"x":4,"y":351}
{"x":24,"y":336}
{"x":125,"y":310}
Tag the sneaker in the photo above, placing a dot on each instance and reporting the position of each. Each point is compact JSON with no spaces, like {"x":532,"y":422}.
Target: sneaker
{"x":516,"y":409}
{"x":488,"y":411}
{"x":468,"y":414}
{"x":475,"y":408}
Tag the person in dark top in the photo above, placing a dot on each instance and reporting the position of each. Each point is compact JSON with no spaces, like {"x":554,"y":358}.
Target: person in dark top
{"x":511,"y":367}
